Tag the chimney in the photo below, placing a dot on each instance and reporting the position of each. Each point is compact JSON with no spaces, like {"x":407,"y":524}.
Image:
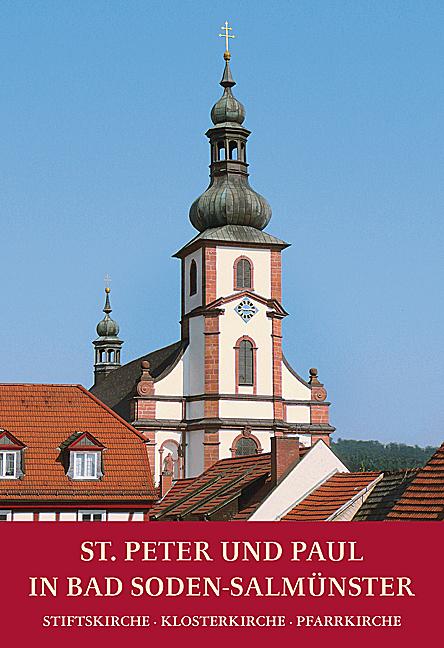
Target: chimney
{"x":166,"y":478}
{"x":284,"y":453}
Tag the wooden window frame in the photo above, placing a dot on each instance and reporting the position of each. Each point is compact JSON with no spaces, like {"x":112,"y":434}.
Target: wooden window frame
{"x":245,"y":338}
{"x":83,"y":477}
{"x":235,"y":264}
{"x":17,"y":458}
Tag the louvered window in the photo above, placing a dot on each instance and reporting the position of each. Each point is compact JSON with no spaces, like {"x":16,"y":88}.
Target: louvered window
{"x":243,"y":274}
{"x":245,"y":446}
{"x":246,"y":372}
{"x":193,"y":278}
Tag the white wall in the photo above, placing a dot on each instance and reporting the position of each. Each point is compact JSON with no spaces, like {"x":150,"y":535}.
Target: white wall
{"x":169,"y":410}
{"x":232,"y":327}
{"x":298,"y":413}
{"x":172,"y":384}
{"x":193,"y":359}
{"x":245,"y":409}
{"x":118,"y":516}
{"x":311,"y":471}
{"x":47,"y":517}
{"x":193,"y":301}
{"x":194,"y":459}
{"x":292,"y":388}
{"x":225,"y":258}
{"x":19,"y":516}
{"x":195,"y":410}
{"x":68,"y":516}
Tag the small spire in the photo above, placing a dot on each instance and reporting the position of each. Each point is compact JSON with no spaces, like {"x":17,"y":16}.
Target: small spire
{"x":227,"y":80}
{"x":107,"y":308}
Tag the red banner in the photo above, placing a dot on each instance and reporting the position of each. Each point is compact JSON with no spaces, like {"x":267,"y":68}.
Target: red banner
{"x":200,"y":584}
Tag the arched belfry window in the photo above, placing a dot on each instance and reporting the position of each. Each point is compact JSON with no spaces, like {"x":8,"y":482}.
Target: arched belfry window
{"x":246,"y":363}
{"x":193,"y":278}
{"x":243,"y":274}
{"x":221,"y":150}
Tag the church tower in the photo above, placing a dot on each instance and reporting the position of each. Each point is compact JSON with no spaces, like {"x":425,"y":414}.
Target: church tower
{"x":107,"y":345}
{"x":225,"y":388}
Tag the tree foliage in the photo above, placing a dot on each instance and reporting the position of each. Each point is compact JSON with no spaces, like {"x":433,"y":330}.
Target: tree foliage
{"x":373,"y":455}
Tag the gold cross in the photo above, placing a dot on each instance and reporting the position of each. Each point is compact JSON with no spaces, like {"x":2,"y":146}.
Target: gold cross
{"x":227,"y":29}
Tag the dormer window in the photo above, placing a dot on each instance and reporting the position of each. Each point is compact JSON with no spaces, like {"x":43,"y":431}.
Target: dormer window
{"x":9,"y":463}
{"x":82,"y":456}
{"x":10,"y":456}
{"x":86,"y":465}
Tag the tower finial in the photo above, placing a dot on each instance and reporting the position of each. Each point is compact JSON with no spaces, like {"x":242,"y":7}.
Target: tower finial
{"x":227,"y":36}
{"x":229,"y":199}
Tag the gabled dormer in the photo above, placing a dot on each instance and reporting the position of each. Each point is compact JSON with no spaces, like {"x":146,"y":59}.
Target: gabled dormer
{"x":82,"y":456}
{"x":11,"y":456}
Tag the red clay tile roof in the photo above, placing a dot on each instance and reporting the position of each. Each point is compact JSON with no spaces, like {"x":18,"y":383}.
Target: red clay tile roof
{"x":423,"y":500}
{"x":204,"y":495}
{"x":330,"y":496}
{"x":43,"y":417}
{"x":385,"y":495}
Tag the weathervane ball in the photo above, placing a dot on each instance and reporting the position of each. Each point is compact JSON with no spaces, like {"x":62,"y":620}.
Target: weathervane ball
{"x":107,"y":290}
{"x":227,"y":56}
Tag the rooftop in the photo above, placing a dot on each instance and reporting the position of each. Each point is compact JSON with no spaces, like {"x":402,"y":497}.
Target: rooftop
{"x":423,"y":499}
{"x":43,"y":418}
{"x":330,"y":496}
{"x":385,"y":495}
{"x":245,"y":479}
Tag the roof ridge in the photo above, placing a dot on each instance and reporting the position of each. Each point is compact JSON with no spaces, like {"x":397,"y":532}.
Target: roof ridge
{"x":111,"y":411}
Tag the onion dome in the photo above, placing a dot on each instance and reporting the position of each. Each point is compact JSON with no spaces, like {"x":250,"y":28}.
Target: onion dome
{"x":107,"y":327}
{"x":229,"y":199}
{"x":228,"y":108}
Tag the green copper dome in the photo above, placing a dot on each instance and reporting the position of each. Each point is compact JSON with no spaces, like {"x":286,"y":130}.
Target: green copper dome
{"x":228,"y":108}
{"x":107,"y":327}
{"x":229,"y":199}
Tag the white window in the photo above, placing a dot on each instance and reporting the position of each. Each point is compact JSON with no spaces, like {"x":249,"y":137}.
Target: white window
{"x":92,"y":516}
{"x":9,"y":462}
{"x":86,"y":465}
{"x":5,"y":516}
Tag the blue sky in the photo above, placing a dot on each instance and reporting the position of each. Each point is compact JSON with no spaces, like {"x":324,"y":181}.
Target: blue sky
{"x":103,"y":109}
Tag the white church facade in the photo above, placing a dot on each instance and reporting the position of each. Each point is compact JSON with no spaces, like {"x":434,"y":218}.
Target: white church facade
{"x":225,"y":388}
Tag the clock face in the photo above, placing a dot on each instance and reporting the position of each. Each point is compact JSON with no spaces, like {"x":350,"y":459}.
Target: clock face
{"x":246,"y":309}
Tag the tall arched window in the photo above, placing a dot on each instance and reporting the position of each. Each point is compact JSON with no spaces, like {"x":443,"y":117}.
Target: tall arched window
{"x":246,"y":364}
{"x":243,"y":274}
{"x":193,"y":278}
{"x":245,"y":446}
